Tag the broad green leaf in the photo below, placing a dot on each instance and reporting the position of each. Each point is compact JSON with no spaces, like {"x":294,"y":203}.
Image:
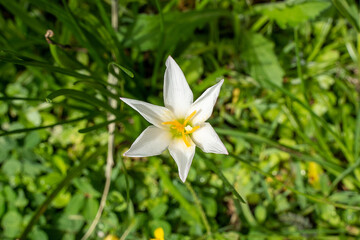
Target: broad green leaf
{"x":145,"y":33}
{"x":286,"y":14}
{"x":159,"y":210}
{"x":11,"y":167}
{"x":258,"y":52}
{"x":38,"y":235}
{"x":31,"y":140}
{"x":90,"y":208}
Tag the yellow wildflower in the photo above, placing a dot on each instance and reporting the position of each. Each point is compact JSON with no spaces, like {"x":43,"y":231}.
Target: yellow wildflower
{"x":111,"y":237}
{"x":159,"y":234}
{"x":314,"y":172}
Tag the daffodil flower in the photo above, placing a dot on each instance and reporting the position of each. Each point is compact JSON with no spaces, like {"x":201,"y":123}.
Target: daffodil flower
{"x":180,"y":125}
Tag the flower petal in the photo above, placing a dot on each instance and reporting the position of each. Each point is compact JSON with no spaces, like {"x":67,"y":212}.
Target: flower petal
{"x":204,"y":104}
{"x":152,"y":113}
{"x":178,"y":96}
{"x":207,"y":139}
{"x":152,"y":141}
{"x":182,"y":155}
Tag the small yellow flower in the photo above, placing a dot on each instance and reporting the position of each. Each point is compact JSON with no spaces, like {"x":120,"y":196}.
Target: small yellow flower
{"x":111,"y":237}
{"x":159,"y":234}
{"x":314,"y":172}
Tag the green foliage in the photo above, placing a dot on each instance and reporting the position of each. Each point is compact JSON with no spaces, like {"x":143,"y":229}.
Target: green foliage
{"x":288,"y":113}
{"x":287,"y":14}
{"x":264,"y":67}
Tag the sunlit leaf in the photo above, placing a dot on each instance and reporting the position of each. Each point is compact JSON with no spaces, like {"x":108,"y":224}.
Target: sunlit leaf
{"x":263,"y":66}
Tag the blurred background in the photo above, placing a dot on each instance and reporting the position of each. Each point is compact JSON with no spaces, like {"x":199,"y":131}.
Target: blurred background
{"x":288,"y":113}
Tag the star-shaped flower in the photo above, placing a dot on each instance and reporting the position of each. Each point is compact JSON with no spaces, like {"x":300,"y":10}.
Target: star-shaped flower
{"x":180,"y":125}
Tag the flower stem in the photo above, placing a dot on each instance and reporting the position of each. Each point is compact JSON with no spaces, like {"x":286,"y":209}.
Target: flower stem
{"x":201,"y":210}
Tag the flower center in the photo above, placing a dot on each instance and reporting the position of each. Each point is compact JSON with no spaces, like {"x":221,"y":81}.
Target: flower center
{"x":183,"y":129}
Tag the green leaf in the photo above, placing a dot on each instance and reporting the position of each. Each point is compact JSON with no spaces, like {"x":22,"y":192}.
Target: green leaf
{"x":96,"y":126}
{"x":2,"y":204}
{"x":84,"y":97}
{"x":260,"y":213}
{"x":154,"y":224}
{"x":218,"y":172}
{"x":190,"y":209}
{"x":75,"y":204}
{"x":19,"y":12}
{"x":38,"y":235}
{"x":22,"y":130}
{"x":286,"y":14}
{"x":350,"y":11}
{"x":86,"y":188}
{"x":10,"y":56}
{"x":125,"y":70}
{"x":62,"y":58}
{"x":334,"y":168}
{"x":65,"y":182}
{"x":11,"y":224}
{"x":11,"y":167}
{"x":259,"y":54}
{"x":145,"y":33}
{"x":159,"y":210}
{"x":210,"y":206}
{"x":90,"y":209}
{"x":31,"y":140}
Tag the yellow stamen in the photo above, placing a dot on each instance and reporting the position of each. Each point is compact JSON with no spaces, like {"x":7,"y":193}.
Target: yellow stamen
{"x":193,"y":130}
{"x":185,"y":140}
{"x":189,"y":117}
{"x":181,"y":128}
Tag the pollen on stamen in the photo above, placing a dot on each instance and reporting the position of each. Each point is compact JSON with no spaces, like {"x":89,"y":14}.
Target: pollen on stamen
{"x":188,"y":128}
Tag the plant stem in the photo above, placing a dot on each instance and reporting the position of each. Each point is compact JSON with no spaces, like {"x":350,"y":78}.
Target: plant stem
{"x":201,"y":210}
{"x":112,"y":80}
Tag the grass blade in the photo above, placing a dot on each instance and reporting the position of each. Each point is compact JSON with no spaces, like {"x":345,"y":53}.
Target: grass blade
{"x":125,"y":70}
{"x":222,"y":177}
{"x":23,"y":130}
{"x":9,"y":56}
{"x":84,"y":97}
{"x":97,"y":126}
{"x":308,"y":196}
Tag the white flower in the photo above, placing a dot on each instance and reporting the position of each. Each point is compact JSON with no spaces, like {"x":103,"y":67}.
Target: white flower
{"x":180,"y":125}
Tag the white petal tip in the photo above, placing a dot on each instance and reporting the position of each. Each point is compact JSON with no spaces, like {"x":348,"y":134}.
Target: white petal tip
{"x":169,"y":58}
{"x":182,"y":179}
